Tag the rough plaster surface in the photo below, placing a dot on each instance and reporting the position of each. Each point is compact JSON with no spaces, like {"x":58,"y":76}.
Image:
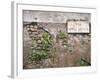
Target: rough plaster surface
{"x":54,"y":17}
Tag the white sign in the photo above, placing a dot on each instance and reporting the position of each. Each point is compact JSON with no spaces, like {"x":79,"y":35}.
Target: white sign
{"x":78,"y":26}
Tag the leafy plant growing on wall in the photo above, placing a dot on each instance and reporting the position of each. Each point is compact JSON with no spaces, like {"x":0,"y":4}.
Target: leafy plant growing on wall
{"x":83,"y":62}
{"x":45,"y":40}
{"x":42,"y":53}
{"x":38,"y":55}
{"x":62,"y":35}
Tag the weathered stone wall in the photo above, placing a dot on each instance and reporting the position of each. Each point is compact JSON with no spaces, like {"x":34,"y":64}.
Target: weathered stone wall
{"x":78,"y":47}
{"x":68,"y":51}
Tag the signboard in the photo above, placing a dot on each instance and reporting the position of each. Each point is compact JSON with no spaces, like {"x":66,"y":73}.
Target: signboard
{"x":78,"y":26}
